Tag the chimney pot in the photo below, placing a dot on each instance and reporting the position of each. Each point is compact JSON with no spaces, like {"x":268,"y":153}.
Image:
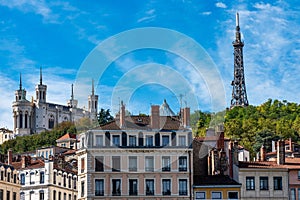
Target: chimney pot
{"x":155,"y":117}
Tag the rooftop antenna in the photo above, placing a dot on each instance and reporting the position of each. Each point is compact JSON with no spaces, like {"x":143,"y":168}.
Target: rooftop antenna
{"x":93,"y":87}
{"x":20,"y":81}
{"x":41,"y":76}
{"x":72,"y":92}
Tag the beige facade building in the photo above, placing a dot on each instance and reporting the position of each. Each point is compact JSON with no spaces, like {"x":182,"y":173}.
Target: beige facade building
{"x":5,"y":135}
{"x":137,"y":157}
{"x":9,"y":183}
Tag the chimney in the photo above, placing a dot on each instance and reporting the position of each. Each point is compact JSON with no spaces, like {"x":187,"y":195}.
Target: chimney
{"x":10,"y":156}
{"x":280,"y":152}
{"x":235,"y":153}
{"x":122,"y":115}
{"x":186,"y":117}
{"x":291,"y":145}
{"x":262,"y":153}
{"x":155,"y":117}
{"x":25,"y":161}
{"x":220,"y":143}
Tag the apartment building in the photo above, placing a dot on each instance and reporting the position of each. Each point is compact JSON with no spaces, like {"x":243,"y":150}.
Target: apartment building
{"x":137,"y":157}
{"x":43,"y":179}
{"x":9,"y":182}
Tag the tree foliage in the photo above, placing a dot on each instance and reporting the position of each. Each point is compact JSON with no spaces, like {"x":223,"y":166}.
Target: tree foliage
{"x":104,"y":116}
{"x":32,"y":142}
{"x":254,"y":126}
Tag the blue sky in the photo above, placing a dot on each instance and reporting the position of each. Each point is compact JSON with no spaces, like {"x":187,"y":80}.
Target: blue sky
{"x":60,"y":35}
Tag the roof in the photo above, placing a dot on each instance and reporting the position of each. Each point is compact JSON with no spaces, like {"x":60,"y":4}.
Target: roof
{"x":67,"y":136}
{"x":34,"y":164}
{"x":290,"y":163}
{"x":69,"y":152}
{"x":168,"y":123}
{"x":214,"y":180}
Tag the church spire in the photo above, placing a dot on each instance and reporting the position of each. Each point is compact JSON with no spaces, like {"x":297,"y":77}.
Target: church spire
{"x":93,"y":88}
{"x":20,"y":81}
{"x":72,"y":92}
{"x":41,"y":76}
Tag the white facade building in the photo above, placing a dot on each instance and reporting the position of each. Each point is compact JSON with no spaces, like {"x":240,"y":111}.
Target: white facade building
{"x":38,"y":115}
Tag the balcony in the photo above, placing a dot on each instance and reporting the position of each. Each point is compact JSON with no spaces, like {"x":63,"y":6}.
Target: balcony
{"x":166,"y":169}
{"x":168,"y":192}
{"x":182,"y":169}
{"x":182,"y":192}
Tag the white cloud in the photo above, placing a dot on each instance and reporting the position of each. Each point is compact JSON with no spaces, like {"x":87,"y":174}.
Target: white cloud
{"x":148,"y":16}
{"x":221,"y":5}
{"x":206,"y":13}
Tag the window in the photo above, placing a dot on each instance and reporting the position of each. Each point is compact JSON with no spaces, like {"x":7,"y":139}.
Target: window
{"x":65,"y":180}
{"x":54,"y":194}
{"x":116,"y":165}
{"x":149,"y":164}
{"x":182,"y":140}
{"x":70,"y":197}
{"x":31,"y":178}
{"x":99,"y":164}
{"x":22,"y":179}
{"x":69,"y":181}
{"x":99,"y":140}
{"x":59,"y":195}
{"x":277,"y":183}
{"x":75,"y":197}
{"x":166,"y":187}
{"x":8,"y":195}
{"x":299,"y":175}
{"x":8,"y":176}
{"x":149,"y":140}
{"x":116,"y":140}
{"x":216,"y":195}
{"x":132,"y":163}
{"x":132,"y":140}
{"x":182,"y":163}
{"x":42,"y":177}
{"x":263,"y":183}
{"x":233,"y":195}
{"x":99,"y":187}
{"x":15,"y":178}
{"x":1,"y":194}
{"x":116,"y":187}
{"x":250,"y":183}
{"x":51,"y":122}
{"x":200,"y":195}
{"x":82,"y":188}
{"x":14,"y":196}
{"x":2,"y":175}
{"x":298,"y":193}
{"x":42,"y":195}
{"x":74,"y":183}
{"x":149,"y":187}
{"x":293,"y":194}
{"x":165,"y":140}
{"x":82,"y":165}
{"x":166,"y":163}
{"x":65,"y":196}
{"x":54,"y":177}
{"x":182,"y":187}
{"x":133,"y":188}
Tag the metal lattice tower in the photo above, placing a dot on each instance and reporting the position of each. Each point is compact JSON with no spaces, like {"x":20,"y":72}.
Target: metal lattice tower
{"x":239,"y":95}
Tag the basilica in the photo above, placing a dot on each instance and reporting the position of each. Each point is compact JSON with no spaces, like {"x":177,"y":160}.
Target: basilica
{"x":39,"y":115}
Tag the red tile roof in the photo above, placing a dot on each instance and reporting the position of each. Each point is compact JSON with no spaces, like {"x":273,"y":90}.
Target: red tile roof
{"x":290,"y":163}
{"x":67,"y":136}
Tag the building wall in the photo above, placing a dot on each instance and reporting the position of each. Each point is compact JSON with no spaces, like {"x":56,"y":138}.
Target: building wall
{"x":208,"y":191}
{"x":294,"y":184}
{"x":87,"y":173}
{"x":270,"y":193}
{"x":9,"y":186}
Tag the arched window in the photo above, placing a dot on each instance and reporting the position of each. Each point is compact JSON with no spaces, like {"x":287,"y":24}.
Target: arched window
{"x":65,"y":119}
{"x":26,"y":120}
{"x":21,"y":120}
{"x":51,"y":122}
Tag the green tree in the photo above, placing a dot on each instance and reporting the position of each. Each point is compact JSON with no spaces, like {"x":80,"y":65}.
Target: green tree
{"x":104,"y":116}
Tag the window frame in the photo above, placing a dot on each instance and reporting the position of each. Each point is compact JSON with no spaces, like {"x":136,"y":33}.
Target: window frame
{"x":168,"y":190}
{"x":264,"y":183}
{"x":150,"y":192}
{"x":250,"y":180}
{"x":276,"y":186}
{"x":183,"y":191}
{"x":99,"y":191}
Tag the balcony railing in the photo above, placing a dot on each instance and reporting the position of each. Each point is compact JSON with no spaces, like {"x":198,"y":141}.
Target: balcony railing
{"x":168,"y":192}
{"x":133,"y":192}
{"x":99,"y":193}
{"x":182,"y":192}
{"x":149,"y":169}
{"x":166,"y":169}
{"x":116,"y":193}
{"x":182,"y":169}
{"x":149,"y":192}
